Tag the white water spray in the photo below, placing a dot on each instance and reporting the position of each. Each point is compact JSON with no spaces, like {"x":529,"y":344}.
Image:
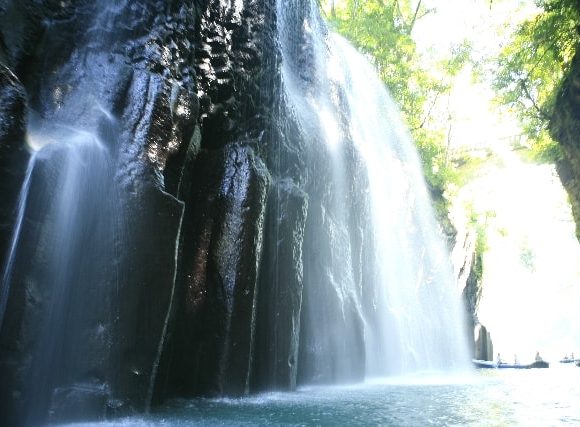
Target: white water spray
{"x":405,"y":297}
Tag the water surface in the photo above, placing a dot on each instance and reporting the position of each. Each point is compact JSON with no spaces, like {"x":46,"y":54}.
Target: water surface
{"x":536,"y":397}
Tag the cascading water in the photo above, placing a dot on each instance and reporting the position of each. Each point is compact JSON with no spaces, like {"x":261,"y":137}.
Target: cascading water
{"x":379,"y":293}
{"x":7,"y":274}
{"x":419,"y":316}
{"x":63,"y":257}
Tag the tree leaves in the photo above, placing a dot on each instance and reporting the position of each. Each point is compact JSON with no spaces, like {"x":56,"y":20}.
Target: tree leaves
{"x":533,"y":65}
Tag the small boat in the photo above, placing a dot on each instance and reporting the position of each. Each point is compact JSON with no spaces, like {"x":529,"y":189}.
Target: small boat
{"x":534,"y":365}
{"x":486,"y":364}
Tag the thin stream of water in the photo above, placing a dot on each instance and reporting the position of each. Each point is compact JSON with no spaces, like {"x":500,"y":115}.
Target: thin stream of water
{"x":7,"y":274}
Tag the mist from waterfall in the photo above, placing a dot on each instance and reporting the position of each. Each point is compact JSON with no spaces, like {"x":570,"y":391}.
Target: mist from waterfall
{"x":385,"y":262}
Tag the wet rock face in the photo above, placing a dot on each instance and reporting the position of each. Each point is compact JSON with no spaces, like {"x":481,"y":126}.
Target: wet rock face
{"x":281,"y":288}
{"x":212,"y":340}
{"x":211,"y":348}
{"x":13,"y":159}
{"x":158,"y":294}
{"x":565,"y":128}
{"x":81,"y":338}
{"x":13,"y":155}
{"x":237,"y":71}
{"x":336,"y":231}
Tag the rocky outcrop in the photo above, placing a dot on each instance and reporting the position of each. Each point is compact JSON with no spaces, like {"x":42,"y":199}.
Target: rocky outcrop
{"x":116,"y":77}
{"x":483,"y":348}
{"x":565,"y":128}
{"x":479,"y":335}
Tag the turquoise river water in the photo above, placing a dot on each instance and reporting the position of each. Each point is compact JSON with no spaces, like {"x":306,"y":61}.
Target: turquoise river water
{"x":536,"y":397}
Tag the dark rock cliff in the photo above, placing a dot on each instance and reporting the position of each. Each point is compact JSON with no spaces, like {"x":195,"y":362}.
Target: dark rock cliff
{"x":121,"y":72}
{"x":162,"y":299}
{"x":565,"y":128}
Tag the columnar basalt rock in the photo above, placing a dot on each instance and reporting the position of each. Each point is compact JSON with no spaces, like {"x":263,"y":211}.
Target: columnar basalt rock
{"x":483,"y":349}
{"x":210,"y":351}
{"x":211,"y":345}
{"x":280,"y":297}
{"x":83,"y":336}
{"x":13,"y":155}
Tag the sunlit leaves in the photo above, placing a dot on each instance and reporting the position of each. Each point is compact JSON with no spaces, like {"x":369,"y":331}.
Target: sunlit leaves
{"x":532,"y":66}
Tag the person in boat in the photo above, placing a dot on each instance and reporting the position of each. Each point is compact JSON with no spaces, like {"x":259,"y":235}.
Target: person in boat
{"x":538,"y":357}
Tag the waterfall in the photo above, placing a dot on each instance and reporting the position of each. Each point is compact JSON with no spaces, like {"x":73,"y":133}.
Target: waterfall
{"x":222,"y":199}
{"x":379,"y":292}
{"x":61,"y":250}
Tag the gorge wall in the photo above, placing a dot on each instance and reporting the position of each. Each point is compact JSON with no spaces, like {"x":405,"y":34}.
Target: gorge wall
{"x":565,"y":128}
{"x":180,"y":95}
{"x":468,"y":269}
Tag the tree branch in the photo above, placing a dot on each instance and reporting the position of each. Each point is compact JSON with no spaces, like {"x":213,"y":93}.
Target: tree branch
{"x":426,"y":116}
{"x":410,"y":27}
{"x":543,"y":115}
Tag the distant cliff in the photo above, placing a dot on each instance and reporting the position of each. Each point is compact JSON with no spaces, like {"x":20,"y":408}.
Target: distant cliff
{"x":467,"y":260}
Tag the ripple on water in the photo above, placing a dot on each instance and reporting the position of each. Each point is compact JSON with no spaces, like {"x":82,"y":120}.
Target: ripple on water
{"x":491,"y":398}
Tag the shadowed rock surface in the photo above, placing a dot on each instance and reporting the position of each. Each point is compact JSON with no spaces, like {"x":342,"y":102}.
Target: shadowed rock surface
{"x":565,"y":128}
{"x":110,"y":86}
{"x":13,"y":155}
{"x":176,"y":99}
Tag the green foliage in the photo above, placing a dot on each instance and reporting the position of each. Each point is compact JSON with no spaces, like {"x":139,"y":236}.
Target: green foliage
{"x":480,"y":248}
{"x":532,"y":66}
{"x":466,"y":166}
{"x":543,"y":149}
